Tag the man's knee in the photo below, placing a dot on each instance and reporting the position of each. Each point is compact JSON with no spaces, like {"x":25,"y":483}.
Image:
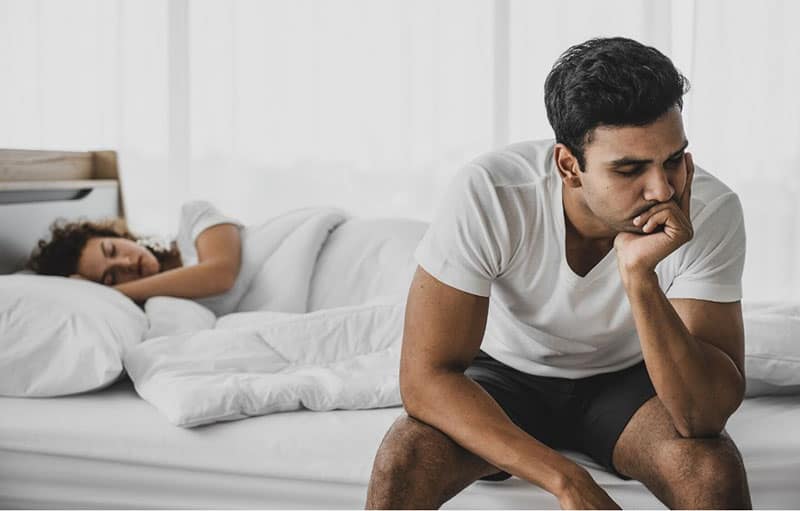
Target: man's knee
{"x":411,"y":467}
{"x":407,"y":447}
{"x":700,"y":459}
{"x":706,"y":472}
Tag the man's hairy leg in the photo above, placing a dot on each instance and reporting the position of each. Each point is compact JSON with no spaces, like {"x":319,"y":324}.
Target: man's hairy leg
{"x":419,"y":467}
{"x":684,"y":473}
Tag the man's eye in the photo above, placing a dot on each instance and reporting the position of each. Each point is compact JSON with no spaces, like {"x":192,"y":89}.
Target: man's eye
{"x":634,"y":172}
{"x":674,"y":163}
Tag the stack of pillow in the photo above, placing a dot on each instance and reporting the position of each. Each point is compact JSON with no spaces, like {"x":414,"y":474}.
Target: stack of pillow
{"x":61,"y":336}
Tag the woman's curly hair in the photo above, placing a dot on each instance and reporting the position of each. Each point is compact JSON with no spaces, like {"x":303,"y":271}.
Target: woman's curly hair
{"x":60,"y":254}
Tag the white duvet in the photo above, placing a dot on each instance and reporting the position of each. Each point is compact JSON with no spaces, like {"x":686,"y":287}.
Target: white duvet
{"x":257,"y":363}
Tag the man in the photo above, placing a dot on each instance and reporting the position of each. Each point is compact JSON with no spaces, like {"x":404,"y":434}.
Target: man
{"x":614,"y":325}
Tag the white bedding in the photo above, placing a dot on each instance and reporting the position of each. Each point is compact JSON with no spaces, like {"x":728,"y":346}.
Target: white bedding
{"x":112,"y":449}
{"x":254,"y":364}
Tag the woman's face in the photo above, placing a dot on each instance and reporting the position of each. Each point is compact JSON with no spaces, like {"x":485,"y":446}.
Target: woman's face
{"x":112,"y":261}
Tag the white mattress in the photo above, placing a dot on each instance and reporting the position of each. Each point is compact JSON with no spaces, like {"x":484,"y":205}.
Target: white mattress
{"x":110,"y":449}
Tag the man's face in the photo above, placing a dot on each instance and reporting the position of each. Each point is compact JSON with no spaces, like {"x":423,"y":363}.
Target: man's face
{"x":632,"y":168}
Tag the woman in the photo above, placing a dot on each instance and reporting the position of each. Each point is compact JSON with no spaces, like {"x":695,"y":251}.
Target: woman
{"x":204,"y":261}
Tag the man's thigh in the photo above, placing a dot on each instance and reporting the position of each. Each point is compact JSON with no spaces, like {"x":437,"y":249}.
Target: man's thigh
{"x":611,"y":402}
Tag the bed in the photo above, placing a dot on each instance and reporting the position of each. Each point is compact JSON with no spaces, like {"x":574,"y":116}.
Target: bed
{"x":109,"y":448}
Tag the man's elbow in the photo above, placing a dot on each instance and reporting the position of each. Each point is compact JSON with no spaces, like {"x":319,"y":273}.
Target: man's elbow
{"x":699,"y":428}
{"x":415,"y":389}
{"x":708,"y":423}
{"x":410,"y":392}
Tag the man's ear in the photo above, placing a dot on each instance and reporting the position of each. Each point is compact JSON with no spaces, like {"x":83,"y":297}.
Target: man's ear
{"x":567,"y":165}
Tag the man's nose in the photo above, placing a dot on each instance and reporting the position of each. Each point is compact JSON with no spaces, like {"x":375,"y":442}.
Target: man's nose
{"x":658,"y":186}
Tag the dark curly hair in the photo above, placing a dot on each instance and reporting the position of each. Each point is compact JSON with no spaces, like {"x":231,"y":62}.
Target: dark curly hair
{"x":609,"y":82}
{"x":60,"y":254}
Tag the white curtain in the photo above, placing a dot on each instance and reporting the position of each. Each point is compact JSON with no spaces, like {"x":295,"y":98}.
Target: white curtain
{"x":371,"y":105}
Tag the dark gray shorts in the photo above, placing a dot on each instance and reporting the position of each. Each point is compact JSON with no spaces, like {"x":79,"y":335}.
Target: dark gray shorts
{"x":585,"y":414}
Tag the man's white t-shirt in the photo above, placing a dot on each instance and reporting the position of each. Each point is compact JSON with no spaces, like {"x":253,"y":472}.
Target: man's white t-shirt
{"x":500,"y":232}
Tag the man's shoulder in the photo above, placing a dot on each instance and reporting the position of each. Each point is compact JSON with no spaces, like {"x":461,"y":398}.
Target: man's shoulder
{"x":521,"y":163}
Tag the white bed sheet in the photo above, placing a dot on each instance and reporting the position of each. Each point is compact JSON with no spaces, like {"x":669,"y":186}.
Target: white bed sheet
{"x":111,"y":449}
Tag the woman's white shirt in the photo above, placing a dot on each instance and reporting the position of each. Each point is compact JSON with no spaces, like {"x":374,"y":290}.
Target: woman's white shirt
{"x":196,"y":217}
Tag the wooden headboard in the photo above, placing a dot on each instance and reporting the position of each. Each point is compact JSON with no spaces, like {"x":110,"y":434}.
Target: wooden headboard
{"x":38,"y":187}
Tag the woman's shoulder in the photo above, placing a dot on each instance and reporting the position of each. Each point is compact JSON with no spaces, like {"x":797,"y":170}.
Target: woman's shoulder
{"x":199,"y":215}
{"x":196,"y":207}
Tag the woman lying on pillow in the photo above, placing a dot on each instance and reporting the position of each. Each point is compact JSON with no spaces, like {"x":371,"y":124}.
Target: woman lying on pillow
{"x":203,"y":261}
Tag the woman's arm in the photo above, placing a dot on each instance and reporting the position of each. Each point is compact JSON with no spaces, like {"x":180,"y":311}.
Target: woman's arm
{"x":219,"y":254}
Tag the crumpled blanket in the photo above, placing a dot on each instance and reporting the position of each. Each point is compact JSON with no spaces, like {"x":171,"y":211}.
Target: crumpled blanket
{"x":262,"y":362}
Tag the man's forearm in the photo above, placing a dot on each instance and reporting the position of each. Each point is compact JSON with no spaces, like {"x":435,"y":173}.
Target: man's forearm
{"x":460,"y":408}
{"x":698,"y":383}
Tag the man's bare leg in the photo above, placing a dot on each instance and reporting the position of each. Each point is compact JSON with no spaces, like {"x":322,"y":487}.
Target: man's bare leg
{"x":684,"y":473}
{"x":419,"y":467}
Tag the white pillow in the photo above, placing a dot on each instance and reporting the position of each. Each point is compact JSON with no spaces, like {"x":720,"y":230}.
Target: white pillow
{"x":172,"y":316}
{"x":772,"y":347}
{"x":61,"y":336}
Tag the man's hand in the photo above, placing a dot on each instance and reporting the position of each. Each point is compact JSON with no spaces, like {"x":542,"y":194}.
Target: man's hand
{"x":666,"y":227}
{"x":582,"y":492}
